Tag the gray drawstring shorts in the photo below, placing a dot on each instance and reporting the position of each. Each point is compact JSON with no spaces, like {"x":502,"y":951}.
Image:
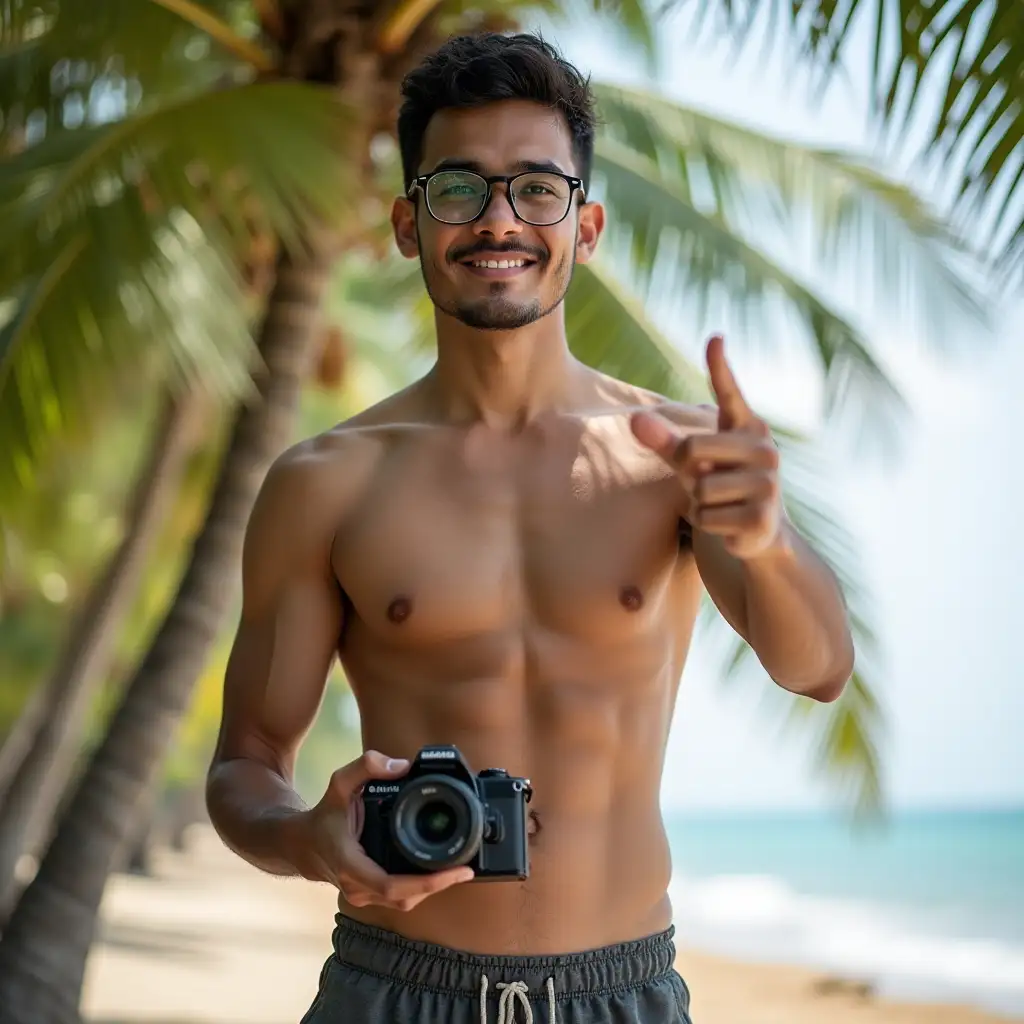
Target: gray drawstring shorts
{"x":377,"y":977}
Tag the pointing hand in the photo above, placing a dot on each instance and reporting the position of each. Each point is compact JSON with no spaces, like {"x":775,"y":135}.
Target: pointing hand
{"x":730,"y":476}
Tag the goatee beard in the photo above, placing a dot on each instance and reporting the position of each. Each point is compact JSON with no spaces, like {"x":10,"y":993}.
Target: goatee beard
{"x":498,"y":314}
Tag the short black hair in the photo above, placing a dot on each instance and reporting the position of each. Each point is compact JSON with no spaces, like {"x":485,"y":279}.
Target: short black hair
{"x":474,"y":70}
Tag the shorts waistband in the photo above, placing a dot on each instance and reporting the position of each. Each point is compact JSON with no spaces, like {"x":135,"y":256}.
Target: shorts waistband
{"x":617,"y":968}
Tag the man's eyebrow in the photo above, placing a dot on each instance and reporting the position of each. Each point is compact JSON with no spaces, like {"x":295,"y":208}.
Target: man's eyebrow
{"x":459,"y":164}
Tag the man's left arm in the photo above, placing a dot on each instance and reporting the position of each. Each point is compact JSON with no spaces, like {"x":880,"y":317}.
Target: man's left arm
{"x":766,"y":580}
{"x":785,"y":603}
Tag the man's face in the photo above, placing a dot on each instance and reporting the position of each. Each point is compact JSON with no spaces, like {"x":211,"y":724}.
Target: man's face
{"x":499,"y":139}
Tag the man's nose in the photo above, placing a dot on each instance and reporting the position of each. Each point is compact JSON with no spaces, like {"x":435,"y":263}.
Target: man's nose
{"x":498,"y":219}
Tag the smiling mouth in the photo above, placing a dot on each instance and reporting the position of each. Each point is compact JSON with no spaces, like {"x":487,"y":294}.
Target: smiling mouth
{"x":497,"y":264}
{"x":497,"y":268}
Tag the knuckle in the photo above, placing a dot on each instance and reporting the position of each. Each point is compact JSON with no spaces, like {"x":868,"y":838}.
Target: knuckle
{"x":682,"y":451}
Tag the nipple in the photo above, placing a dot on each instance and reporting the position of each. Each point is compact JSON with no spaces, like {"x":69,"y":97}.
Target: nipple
{"x":399,"y":610}
{"x":631,"y":598}
{"x":533,"y":824}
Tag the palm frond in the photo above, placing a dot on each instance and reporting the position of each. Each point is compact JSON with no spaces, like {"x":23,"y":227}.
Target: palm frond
{"x":112,"y":321}
{"x":68,"y":62}
{"x":689,"y":252}
{"x":862,"y":224}
{"x":978,"y":49}
{"x":608,"y":329}
{"x":160,"y":203}
{"x":847,"y":733}
{"x":223,"y":34}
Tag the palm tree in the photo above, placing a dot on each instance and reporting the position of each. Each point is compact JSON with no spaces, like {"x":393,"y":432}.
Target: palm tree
{"x":37,"y":786}
{"x":114,"y":238}
{"x":970,"y":52}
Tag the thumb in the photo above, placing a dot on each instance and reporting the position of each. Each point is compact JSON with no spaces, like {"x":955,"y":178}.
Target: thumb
{"x":370,"y":765}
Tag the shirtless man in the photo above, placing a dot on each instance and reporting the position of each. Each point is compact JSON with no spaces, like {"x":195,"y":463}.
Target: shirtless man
{"x":507,"y":556}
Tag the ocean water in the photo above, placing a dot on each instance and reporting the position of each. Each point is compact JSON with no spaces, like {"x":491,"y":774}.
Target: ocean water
{"x":931,"y":906}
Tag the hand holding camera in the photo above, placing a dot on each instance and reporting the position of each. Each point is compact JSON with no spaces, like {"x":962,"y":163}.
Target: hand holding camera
{"x":442,"y":816}
{"x":331,"y":850}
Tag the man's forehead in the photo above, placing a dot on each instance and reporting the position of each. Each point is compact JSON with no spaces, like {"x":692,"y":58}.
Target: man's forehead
{"x":499,"y":137}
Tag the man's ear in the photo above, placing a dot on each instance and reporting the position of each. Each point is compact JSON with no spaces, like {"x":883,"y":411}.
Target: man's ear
{"x":403,"y":222}
{"x":591,"y":224}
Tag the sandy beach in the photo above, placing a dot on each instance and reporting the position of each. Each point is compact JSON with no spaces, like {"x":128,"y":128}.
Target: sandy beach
{"x":209,"y":940}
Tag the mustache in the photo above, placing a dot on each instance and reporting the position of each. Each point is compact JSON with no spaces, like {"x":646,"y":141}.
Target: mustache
{"x":494,"y":249}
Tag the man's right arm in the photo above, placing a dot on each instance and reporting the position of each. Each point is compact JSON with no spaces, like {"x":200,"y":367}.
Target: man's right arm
{"x":291,"y":622}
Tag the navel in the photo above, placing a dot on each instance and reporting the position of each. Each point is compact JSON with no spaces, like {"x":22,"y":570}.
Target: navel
{"x":631,"y":598}
{"x":399,"y":610}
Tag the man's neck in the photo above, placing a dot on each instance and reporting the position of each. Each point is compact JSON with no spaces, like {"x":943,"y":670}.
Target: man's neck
{"x":502,"y":379}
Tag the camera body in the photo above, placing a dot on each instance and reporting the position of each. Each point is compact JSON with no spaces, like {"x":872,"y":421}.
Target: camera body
{"x":440,"y":815}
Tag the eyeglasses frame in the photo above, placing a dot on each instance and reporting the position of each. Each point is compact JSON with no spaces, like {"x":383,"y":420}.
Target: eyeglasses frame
{"x":422,"y":180}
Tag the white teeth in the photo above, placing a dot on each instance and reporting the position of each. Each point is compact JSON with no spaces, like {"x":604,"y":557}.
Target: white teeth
{"x":499,"y":264}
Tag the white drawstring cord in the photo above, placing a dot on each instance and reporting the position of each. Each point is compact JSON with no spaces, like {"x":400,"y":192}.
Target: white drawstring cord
{"x":510,"y":992}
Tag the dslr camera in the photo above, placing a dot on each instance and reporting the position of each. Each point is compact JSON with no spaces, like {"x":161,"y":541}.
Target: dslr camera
{"x":440,"y":815}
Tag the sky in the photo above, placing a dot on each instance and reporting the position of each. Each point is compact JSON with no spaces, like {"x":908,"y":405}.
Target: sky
{"x":938,"y":527}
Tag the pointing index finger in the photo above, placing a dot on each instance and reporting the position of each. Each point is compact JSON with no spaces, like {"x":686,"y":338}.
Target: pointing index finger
{"x":732,"y":406}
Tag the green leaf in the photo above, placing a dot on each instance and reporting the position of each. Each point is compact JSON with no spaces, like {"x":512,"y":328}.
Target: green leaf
{"x":976,"y":49}
{"x":115,"y":321}
{"x":608,"y":329}
{"x":280,"y":142}
{"x":25,"y":308}
{"x":165,"y":201}
{"x":861,"y":224}
{"x":80,"y":60}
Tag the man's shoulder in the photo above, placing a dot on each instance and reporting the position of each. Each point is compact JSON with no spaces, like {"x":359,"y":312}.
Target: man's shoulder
{"x":314,"y":483}
{"x":631,"y":398}
{"x":354,"y":445}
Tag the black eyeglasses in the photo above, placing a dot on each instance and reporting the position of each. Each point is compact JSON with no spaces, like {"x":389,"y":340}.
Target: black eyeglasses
{"x":538,"y":198}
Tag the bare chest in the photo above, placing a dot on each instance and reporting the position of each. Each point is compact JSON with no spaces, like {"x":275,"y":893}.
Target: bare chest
{"x":579,"y":540}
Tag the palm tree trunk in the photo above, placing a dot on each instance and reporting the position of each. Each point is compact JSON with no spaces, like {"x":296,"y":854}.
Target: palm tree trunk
{"x":26,"y":814}
{"x":18,"y":741}
{"x":44,"y":950}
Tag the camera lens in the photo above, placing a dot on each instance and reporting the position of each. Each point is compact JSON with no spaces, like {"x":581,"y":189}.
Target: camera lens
{"x":437,"y":822}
